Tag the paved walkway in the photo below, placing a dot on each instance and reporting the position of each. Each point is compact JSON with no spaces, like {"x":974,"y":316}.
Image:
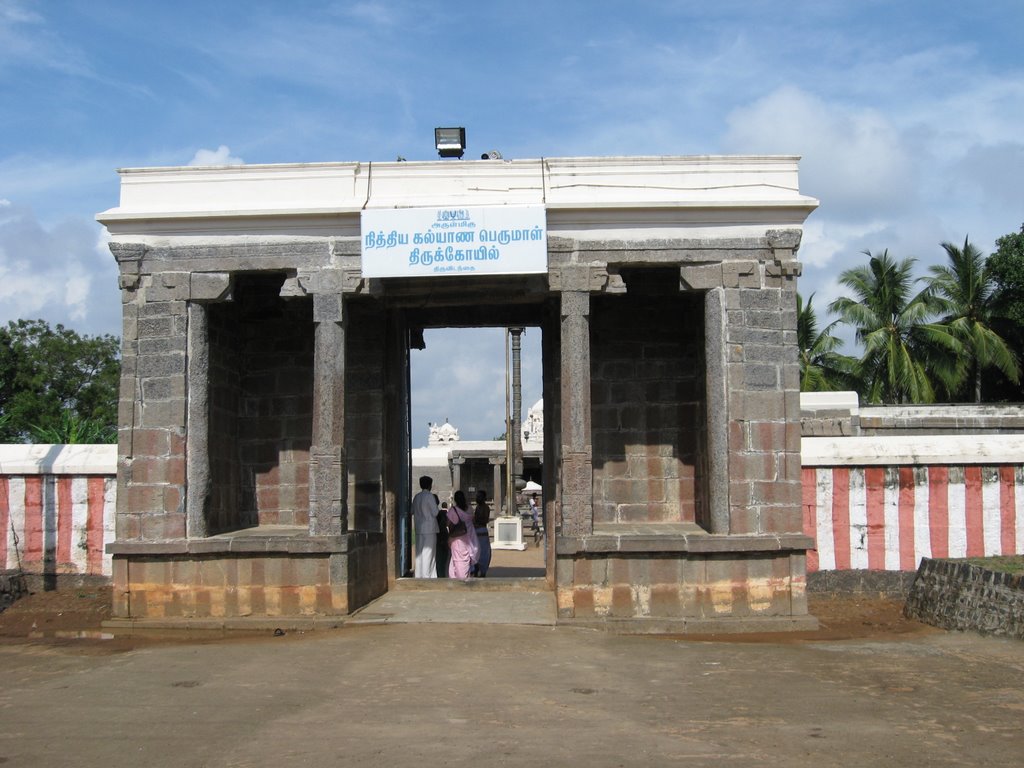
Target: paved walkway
{"x":507,"y":601}
{"x":416,"y":680}
{"x":433,"y":694}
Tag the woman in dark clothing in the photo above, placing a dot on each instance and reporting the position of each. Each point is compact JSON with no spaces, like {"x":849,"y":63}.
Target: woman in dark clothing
{"x":442,"y":554}
{"x":481,"y":517}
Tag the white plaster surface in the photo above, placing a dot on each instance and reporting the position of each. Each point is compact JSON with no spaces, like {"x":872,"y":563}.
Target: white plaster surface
{"x":16,"y":459}
{"x":912,"y":449}
{"x":721,"y":195}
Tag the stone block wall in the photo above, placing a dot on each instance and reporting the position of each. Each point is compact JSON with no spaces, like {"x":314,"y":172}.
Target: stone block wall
{"x":152,"y":409}
{"x":199,"y":580}
{"x":13,"y":586}
{"x":260,"y":406}
{"x":762,"y":375}
{"x":647,"y":393}
{"x":365,"y":383}
{"x":276,"y":402}
{"x":225,"y":510}
{"x":478,"y":475}
{"x":958,"y":595}
{"x":674,"y":591}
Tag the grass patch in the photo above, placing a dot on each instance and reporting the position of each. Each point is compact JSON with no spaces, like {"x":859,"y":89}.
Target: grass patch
{"x":1012,"y":564}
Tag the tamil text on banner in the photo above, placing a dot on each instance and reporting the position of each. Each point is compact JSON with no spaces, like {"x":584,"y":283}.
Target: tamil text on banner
{"x":427,"y":242}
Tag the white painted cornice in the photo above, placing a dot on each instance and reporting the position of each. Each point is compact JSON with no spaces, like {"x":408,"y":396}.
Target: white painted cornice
{"x":325,"y":198}
{"x":910,"y":450}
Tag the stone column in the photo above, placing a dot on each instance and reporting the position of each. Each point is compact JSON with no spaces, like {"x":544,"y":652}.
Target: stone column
{"x":717,"y":409}
{"x":129,"y":260}
{"x":197,"y":446}
{"x":457,"y":463}
{"x":327,"y":484}
{"x":577,"y":451}
{"x":517,"y":406}
{"x":497,"y":463}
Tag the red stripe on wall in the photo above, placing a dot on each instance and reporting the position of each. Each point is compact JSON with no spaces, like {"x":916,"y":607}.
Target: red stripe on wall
{"x":874,"y":490}
{"x":975,"y":515}
{"x":906,"y":517}
{"x":94,"y":525}
{"x":5,"y":519}
{"x":1007,"y":511}
{"x":938,"y":510}
{"x":841,"y":516}
{"x":64,"y":528}
{"x":33,"y":551}
{"x":809,"y":479}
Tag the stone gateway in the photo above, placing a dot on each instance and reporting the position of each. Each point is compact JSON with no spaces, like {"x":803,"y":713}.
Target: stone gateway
{"x":264,"y":451}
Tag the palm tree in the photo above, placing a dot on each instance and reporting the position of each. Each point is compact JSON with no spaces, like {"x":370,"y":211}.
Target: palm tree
{"x":822,"y":369}
{"x":964,"y":293}
{"x":902,"y":349}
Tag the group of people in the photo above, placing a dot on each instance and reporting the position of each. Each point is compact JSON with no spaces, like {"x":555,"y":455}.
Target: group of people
{"x":450,"y":540}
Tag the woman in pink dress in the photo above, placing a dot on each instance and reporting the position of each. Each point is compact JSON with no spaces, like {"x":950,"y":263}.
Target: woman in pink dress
{"x":464,"y":548}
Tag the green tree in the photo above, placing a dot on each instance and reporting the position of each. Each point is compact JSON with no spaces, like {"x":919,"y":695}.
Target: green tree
{"x":55,"y":382}
{"x":963,"y":291}
{"x":822,"y":368}
{"x":1006,"y":268}
{"x":902,"y":348}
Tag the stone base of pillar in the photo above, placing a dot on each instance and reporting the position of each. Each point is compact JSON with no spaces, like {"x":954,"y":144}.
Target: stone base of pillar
{"x":225,"y":578}
{"x":683,"y":584}
{"x":508,"y":533}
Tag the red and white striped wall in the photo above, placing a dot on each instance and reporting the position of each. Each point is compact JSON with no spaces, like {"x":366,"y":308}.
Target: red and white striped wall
{"x":877,"y":503}
{"x":884,"y":503}
{"x":57,"y":508}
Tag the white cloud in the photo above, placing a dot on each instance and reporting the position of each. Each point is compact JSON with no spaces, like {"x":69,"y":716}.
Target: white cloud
{"x":826,"y":239}
{"x":996,"y":170}
{"x":854,"y":160}
{"x":373,"y":12}
{"x":44,"y":176}
{"x":219,"y":156}
{"x":57,"y":274}
{"x":460,"y":376}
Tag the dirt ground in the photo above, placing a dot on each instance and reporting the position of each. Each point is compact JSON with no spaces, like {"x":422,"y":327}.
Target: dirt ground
{"x":64,"y":616}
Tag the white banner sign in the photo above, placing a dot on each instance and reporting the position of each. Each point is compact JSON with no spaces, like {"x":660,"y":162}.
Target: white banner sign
{"x":481,"y":240}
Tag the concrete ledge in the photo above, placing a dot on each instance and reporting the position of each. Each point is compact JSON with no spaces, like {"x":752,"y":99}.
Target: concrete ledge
{"x":226,"y":624}
{"x":941,"y":419}
{"x":235,"y":544}
{"x":861,"y":582}
{"x":697,"y":543}
{"x":58,"y":459}
{"x":490,"y":584}
{"x":957,"y":595}
{"x":894,"y":450}
{"x":693,"y":626}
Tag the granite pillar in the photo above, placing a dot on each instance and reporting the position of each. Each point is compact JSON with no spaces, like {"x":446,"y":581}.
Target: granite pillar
{"x":327,"y":513}
{"x":577,"y":451}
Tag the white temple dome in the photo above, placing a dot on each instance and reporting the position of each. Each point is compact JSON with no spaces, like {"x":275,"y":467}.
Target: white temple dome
{"x":445,"y":433}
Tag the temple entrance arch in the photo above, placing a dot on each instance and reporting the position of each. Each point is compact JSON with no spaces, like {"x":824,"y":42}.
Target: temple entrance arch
{"x":471,"y":390}
{"x":494,"y":303}
{"x":264,"y":442}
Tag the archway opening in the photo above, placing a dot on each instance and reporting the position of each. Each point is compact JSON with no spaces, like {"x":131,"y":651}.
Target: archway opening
{"x":462,"y":403}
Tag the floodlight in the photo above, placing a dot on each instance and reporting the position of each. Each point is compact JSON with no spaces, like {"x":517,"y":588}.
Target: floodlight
{"x":450,"y":142}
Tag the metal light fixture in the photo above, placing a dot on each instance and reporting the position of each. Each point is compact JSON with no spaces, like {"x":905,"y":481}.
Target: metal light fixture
{"x":450,"y":142}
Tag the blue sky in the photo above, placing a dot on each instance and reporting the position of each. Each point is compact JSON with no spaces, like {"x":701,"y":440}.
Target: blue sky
{"x":908,"y":116}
